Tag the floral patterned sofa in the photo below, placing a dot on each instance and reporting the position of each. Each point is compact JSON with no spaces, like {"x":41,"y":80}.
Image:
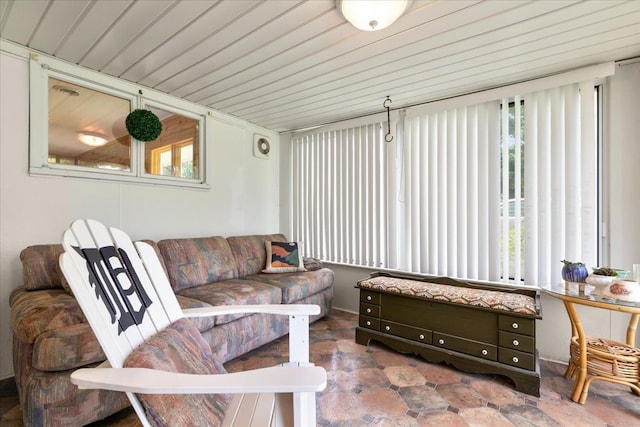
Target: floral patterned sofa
{"x":51,"y":337}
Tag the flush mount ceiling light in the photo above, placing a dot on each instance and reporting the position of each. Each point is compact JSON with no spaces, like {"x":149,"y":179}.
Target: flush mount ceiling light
{"x":66,"y":90}
{"x":92,"y":139}
{"x":372,"y":15}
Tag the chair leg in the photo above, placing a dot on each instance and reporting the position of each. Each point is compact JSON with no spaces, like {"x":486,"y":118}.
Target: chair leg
{"x":304,"y":409}
{"x":139,"y":409}
{"x":295,"y":409}
{"x":283,"y":415}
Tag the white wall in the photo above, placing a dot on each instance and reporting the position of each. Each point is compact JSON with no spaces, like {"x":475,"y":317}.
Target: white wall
{"x":243,"y":198}
{"x":622,"y":140}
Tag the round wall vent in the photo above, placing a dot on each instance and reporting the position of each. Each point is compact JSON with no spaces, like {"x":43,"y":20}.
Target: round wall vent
{"x":261,"y":146}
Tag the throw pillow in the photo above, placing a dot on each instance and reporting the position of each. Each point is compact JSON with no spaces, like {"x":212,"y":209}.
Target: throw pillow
{"x":180,"y":348}
{"x":283,"y":257}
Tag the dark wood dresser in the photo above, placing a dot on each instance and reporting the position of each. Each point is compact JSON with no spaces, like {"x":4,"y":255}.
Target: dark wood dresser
{"x":473,"y":327}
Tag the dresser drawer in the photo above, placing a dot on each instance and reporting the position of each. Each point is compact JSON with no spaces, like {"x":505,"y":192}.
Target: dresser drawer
{"x":517,"y":358}
{"x":474,"y":348}
{"x":370,"y":297}
{"x":404,"y":331}
{"x":517,"y":342}
{"x":369,"y":310}
{"x":369,"y":323}
{"x":517,"y":325}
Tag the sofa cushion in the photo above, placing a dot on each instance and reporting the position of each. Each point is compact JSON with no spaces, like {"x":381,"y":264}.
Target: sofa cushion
{"x":33,"y":313}
{"x":40,"y":267}
{"x":250,"y":253}
{"x":234,"y":292}
{"x":297,"y":286}
{"x":202,"y":323}
{"x":197,"y":261}
{"x":251,"y":332}
{"x":180,"y":348}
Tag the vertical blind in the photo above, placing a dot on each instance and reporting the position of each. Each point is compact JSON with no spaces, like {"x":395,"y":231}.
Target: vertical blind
{"x":450,"y":180}
{"x":339,"y":189}
{"x":560,"y":180}
{"x":497,"y":190}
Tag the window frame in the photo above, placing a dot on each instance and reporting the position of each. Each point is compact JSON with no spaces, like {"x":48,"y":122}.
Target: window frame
{"x":175,"y":153}
{"x":139,"y":97}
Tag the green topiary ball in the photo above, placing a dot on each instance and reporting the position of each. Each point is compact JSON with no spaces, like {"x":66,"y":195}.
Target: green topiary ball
{"x":143,"y":125}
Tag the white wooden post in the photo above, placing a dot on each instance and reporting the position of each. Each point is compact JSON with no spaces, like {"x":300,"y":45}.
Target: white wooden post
{"x":299,"y":339}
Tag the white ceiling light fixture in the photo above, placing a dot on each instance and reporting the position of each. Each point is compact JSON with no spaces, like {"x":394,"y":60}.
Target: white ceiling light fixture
{"x":66,"y":90}
{"x":372,"y":15}
{"x":92,"y":139}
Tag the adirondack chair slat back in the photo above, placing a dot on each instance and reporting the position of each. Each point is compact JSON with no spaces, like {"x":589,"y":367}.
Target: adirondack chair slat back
{"x":121,"y":287}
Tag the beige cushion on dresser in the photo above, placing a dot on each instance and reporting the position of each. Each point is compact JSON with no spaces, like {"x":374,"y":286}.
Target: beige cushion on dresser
{"x":491,"y":299}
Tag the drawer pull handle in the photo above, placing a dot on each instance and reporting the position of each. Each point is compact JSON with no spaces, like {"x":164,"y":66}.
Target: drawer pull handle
{"x":368,"y":297}
{"x":368,"y":310}
{"x":421,"y":336}
{"x":485,"y":352}
{"x":441,"y":341}
{"x":514,"y":325}
{"x":515,"y":359}
{"x":516,"y":342}
{"x":388,"y":328}
{"x":368,"y":322}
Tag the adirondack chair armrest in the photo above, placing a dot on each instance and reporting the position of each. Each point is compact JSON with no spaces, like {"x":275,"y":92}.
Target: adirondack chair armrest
{"x":280,"y":309}
{"x":278,"y":379}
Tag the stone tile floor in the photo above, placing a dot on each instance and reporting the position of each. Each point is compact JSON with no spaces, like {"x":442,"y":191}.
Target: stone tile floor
{"x":375,"y":386}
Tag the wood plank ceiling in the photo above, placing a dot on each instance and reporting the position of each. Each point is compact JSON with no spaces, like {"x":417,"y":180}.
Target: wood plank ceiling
{"x":290,"y":64}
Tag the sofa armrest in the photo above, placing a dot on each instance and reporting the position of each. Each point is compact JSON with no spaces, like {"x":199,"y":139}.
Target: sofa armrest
{"x":36,"y":312}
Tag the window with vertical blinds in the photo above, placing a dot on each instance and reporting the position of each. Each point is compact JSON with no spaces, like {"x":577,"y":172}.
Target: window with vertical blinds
{"x":495,"y":186}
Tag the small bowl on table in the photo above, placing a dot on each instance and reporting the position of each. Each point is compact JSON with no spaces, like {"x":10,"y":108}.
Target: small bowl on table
{"x":622,"y":274}
{"x":600,"y":282}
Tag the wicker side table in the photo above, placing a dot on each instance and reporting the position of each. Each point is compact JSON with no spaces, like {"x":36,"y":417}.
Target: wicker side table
{"x":597,"y":358}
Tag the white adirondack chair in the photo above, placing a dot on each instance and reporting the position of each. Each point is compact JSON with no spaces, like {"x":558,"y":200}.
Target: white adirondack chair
{"x":127,"y":299}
